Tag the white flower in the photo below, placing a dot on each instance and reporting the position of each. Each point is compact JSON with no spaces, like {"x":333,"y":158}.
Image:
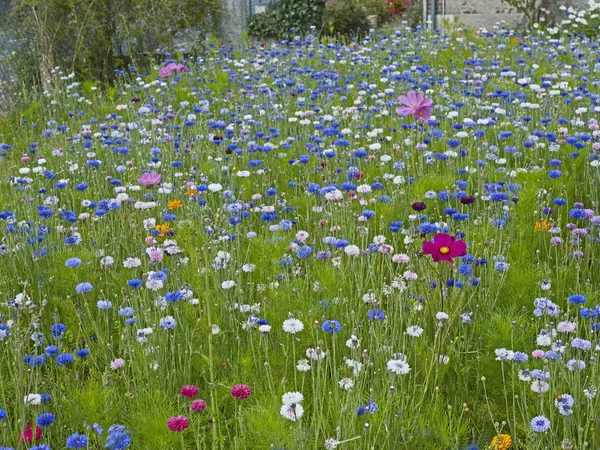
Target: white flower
{"x":215,"y":329}
{"x":352,"y":250}
{"x":353,"y":342}
{"x":414,"y":331}
{"x":292,"y":325}
{"x":398,"y":366}
{"x":132,"y":263}
{"x":32,"y":399}
{"x":356,"y":366}
{"x":441,"y":316}
{"x":117,"y":363}
{"x":264,"y":328}
{"x":539,"y":386}
{"x":303,"y":365}
{"x":248,"y":268}
{"x":228,"y":284}
{"x":154,"y":285}
{"x":292,"y":398}
{"x":292,"y":413}
{"x":331,"y":444}
{"x":346,"y":384}
{"x":315,"y":353}
{"x":214,"y":187}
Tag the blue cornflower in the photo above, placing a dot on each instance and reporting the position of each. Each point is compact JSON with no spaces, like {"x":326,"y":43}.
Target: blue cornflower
{"x":45,"y":419}
{"x":3,"y":414}
{"x":331,"y":326}
{"x":465,"y":269}
{"x":51,"y":350}
{"x":104,"y":304}
{"x":64,"y":359}
{"x":73,"y":262}
{"x":82,"y":353}
{"x":577,"y":299}
{"x":304,"y":252}
{"x":577,"y":213}
{"x":368,"y":213}
{"x":555,"y":174}
{"x":118,"y":438}
{"x":40,"y":447}
{"x":134,"y":283}
{"x":174,"y":296}
{"x":127,"y":311}
{"x":540,"y":424}
{"x":77,"y":440}
{"x":84,"y":287}
{"x":58,"y":329}
{"x":394,"y":227}
{"x":168,"y":323}
{"x":376,"y":314}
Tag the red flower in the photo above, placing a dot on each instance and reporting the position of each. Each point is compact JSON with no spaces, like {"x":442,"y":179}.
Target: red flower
{"x":198,"y":406}
{"x":189,"y":391}
{"x":27,"y":435}
{"x":178,"y":423}
{"x":444,"y":247}
{"x":240,"y":391}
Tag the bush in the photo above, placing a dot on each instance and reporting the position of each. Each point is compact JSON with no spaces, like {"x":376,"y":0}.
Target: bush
{"x":288,"y":19}
{"x":347,"y":18}
{"x":263,"y":26}
{"x":93,"y":39}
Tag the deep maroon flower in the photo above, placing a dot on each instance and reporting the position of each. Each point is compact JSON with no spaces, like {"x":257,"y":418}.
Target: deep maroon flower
{"x":178,"y":423}
{"x":189,"y":391}
{"x":149,"y":179}
{"x":198,"y":406}
{"x":419,"y":206}
{"x":240,"y":391}
{"x":467,"y":199}
{"x":415,"y":105}
{"x":444,"y":248}
{"x":27,"y":434}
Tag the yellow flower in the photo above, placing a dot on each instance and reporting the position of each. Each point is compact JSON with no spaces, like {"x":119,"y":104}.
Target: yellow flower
{"x":501,"y":442}
{"x":545,"y":225}
{"x":174,"y":204}
{"x":164,"y":229}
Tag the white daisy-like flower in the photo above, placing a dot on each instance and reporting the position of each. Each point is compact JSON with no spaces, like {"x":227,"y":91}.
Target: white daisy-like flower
{"x":292,"y":412}
{"x":414,"y":331}
{"x":398,"y":366}
{"x":346,"y":384}
{"x":292,"y":398}
{"x":132,"y":263}
{"x":303,"y":365}
{"x":292,"y":325}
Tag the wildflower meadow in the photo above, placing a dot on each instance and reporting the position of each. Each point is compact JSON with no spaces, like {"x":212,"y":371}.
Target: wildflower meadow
{"x":391,"y":243}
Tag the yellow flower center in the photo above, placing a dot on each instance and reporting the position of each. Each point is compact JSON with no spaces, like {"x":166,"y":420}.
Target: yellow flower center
{"x":444,"y":250}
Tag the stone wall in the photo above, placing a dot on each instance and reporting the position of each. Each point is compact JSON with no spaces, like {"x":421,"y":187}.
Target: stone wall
{"x":487,"y":13}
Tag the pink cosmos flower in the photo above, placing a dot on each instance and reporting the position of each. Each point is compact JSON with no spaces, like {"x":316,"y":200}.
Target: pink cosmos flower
{"x":415,"y":105}
{"x":538,"y":354}
{"x":189,"y":391}
{"x":240,"y":391}
{"x":149,"y":179}
{"x":178,"y":423}
{"x":444,"y":247}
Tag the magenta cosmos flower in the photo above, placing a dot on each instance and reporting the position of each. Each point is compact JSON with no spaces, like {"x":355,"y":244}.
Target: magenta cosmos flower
{"x":170,"y":68}
{"x":240,"y":391}
{"x":415,"y":105}
{"x":150,"y":179}
{"x":444,"y":248}
{"x":178,"y":423}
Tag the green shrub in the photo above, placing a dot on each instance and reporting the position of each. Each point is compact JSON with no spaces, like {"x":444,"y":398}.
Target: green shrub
{"x":290,"y":18}
{"x":263,"y":26}
{"x":345,"y":18}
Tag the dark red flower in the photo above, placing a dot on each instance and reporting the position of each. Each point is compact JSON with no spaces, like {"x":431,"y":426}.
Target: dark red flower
{"x":27,"y":434}
{"x":240,"y":391}
{"x":467,"y":199}
{"x":178,"y":423}
{"x":189,"y":391}
{"x":419,"y":206}
{"x":444,"y":248}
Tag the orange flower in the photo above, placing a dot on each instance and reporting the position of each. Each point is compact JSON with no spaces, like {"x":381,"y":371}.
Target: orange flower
{"x":164,"y":229}
{"x":545,"y":225}
{"x":501,"y":442}
{"x":191,"y":192}
{"x":174,"y":204}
